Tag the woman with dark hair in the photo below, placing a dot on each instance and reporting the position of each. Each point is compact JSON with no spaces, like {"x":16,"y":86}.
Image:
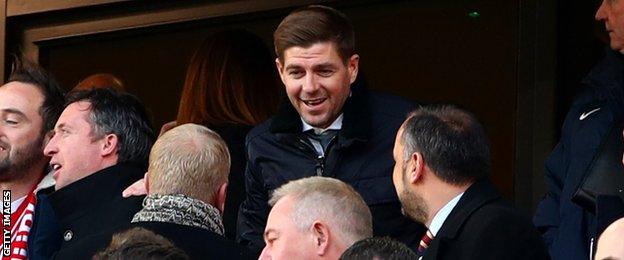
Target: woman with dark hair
{"x":230,"y":86}
{"x":231,"y":80}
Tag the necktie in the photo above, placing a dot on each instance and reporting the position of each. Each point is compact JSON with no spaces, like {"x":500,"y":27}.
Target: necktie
{"x":323,"y":138}
{"x":424,"y":242}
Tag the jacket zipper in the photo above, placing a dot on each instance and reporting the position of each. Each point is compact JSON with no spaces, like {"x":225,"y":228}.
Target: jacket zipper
{"x":320,"y":165}
{"x":320,"y":159}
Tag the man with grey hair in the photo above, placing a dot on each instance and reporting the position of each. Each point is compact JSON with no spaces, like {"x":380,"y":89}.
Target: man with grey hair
{"x":315,"y":218}
{"x":186,"y":185}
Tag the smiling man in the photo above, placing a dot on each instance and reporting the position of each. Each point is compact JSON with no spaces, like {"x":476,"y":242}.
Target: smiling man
{"x":30,"y":104}
{"x":100,"y":146}
{"x":328,"y":128}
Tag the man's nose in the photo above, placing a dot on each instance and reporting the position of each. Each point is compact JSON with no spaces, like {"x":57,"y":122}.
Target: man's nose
{"x":265,"y":254}
{"x":601,"y":13}
{"x":50,"y":148}
{"x":310,"y":84}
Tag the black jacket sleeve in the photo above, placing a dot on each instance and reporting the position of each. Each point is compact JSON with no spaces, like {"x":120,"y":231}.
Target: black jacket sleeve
{"x":252,"y":215}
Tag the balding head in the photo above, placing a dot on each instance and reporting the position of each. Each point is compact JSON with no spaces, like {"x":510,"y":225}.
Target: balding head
{"x":326,"y":209}
{"x":611,"y":244}
{"x":191,"y":160}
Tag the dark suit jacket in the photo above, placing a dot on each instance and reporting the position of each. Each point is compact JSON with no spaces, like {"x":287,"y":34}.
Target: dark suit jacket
{"x":93,"y":206}
{"x":483,"y":225}
{"x":198,"y":243}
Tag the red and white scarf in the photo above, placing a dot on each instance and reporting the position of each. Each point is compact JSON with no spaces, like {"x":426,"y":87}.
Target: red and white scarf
{"x":21,"y":222}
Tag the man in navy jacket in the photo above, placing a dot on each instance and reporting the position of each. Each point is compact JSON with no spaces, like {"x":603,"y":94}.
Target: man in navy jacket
{"x":328,"y":129}
{"x":568,"y":229}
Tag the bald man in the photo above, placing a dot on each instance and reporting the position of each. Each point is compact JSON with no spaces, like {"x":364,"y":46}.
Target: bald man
{"x":611,"y":244}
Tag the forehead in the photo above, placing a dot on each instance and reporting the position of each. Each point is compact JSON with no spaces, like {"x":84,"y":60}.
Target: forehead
{"x":398,"y":140}
{"x":318,"y":52}
{"x":75,"y":113}
{"x":279,"y":217}
{"x":21,"y":96}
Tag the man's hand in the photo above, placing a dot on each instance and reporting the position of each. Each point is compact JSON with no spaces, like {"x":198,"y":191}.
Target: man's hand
{"x":167,"y":126}
{"x":136,"y":189}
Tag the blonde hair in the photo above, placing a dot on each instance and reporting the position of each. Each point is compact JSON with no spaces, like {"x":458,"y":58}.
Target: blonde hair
{"x":189,"y":159}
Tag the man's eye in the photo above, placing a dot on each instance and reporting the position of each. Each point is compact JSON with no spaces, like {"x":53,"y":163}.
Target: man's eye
{"x":326,"y":73}
{"x":295,"y":73}
{"x":10,"y":122}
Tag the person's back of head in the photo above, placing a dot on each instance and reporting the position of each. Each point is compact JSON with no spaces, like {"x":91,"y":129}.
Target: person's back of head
{"x":100,"y":80}
{"x":191,"y":160}
{"x":451,"y":140}
{"x":140,"y":244}
{"x":230,"y":80}
{"x":610,"y":244}
{"x":327,"y":208}
{"x":378,"y":248}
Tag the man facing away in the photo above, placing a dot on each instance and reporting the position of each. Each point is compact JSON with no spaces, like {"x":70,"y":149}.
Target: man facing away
{"x":30,"y":104}
{"x":186,"y":184}
{"x":442,"y":163}
{"x":100,"y":146}
{"x":315,"y":218}
{"x":328,"y":128}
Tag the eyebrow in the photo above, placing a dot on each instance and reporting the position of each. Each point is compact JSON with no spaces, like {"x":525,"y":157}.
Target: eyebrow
{"x":62,"y":126}
{"x":270,"y":230}
{"x":14,"y":111}
{"x":324,"y":66}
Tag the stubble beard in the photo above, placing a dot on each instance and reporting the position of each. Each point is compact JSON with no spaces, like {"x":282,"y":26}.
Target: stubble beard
{"x":15,"y":166}
{"x":414,"y":206}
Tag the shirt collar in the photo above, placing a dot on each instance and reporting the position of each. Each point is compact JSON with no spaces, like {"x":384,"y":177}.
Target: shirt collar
{"x":336,"y":125}
{"x":443,"y":213}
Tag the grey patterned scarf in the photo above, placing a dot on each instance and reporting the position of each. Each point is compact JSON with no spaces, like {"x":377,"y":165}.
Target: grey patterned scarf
{"x":180,"y":209}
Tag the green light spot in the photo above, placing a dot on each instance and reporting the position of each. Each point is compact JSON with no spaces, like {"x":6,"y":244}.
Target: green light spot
{"x":474,"y":14}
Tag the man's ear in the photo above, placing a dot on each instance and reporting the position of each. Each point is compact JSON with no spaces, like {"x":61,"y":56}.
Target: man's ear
{"x":146,"y":181}
{"x":321,"y":236}
{"x":353,"y":67}
{"x":416,"y":167}
{"x":109,"y":145}
{"x":220,"y":197}
{"x":280,"y":68}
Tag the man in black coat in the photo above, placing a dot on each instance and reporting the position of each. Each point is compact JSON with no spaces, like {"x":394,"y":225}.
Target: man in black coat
{"x":100,"y":146}
{"x":441,"y":176}
{"x":186,"y":184}
{"x":328,"y":129}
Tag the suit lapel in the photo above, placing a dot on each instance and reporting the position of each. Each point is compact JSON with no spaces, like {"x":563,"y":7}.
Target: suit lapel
{"x":477,"y":195}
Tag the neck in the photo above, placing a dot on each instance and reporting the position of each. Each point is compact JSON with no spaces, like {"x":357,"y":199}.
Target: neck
{"x":441,"y":194}
{"x":20,"y":187}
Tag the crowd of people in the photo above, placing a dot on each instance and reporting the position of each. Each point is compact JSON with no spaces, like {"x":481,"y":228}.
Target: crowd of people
{"x":336,"y":171}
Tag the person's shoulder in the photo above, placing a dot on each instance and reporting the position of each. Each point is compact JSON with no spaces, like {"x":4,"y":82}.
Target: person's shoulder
{"x":263,"y":129}
{"x":197,"y":241}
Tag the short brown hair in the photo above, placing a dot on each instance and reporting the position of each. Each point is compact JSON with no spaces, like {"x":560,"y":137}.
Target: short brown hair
{"x":141,"y":244}
{"x":313,"y":24}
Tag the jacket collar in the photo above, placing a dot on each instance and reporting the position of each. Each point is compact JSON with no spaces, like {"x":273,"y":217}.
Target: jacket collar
{"x":100,"y":187}
{"x":478,"y":194}
{"x":356,"y":124}
{"x":607,"y":77}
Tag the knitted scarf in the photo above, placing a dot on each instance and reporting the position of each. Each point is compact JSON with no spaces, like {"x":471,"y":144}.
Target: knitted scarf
{"x":182,"y":210}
